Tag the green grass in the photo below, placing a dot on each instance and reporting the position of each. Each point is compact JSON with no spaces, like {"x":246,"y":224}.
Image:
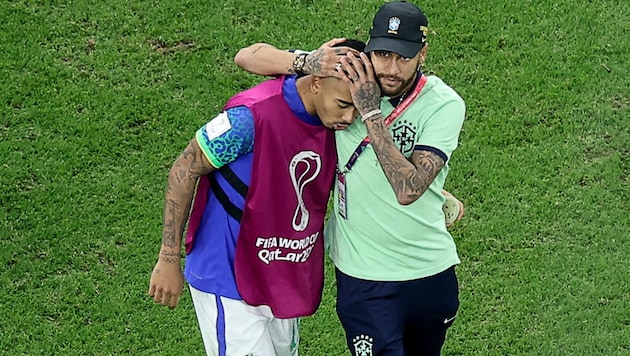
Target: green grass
{"x":99,"y":97}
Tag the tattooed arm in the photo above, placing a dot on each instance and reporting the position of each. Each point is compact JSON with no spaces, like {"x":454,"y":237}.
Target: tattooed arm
{"x":408,"y":178}
{"x":265,"y":59}
{"x":167,"y":280}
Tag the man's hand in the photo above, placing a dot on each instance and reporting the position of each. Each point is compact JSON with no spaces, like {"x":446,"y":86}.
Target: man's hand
{"x":460,"y":215}
{"x":324,"y":61}
{"x":358,"y":73}
{"x":167,"y":283}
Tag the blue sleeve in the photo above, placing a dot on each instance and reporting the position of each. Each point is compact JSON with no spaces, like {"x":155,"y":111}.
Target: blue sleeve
{"x":228,"y":136}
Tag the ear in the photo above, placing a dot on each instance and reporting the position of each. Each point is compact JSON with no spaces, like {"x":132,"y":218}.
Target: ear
{"x":423,"y":54}
{"x":316,"y":84}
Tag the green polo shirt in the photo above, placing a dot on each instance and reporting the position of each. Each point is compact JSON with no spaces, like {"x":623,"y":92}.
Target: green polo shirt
{"x":380,"y":239}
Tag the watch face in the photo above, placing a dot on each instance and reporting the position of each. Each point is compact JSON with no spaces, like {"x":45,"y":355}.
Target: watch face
{"x":298,"y":63}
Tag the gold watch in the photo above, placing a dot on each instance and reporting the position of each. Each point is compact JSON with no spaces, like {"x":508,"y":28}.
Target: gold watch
{"x":298,"y":63}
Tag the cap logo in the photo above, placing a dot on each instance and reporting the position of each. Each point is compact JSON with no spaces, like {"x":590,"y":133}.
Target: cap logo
{"x":424,"y":30}
{"x":394,"y":24}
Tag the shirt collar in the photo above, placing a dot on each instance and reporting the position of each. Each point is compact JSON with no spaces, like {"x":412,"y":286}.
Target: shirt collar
{"x":291,"y":96}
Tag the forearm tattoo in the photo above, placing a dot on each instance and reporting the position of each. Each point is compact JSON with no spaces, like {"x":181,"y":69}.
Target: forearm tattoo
{"x":170,"y":257}
{"x":428,"y":166}
{"x":179,"y":193}
{"x":170,"y":210}
{"x":408,"y":178}
{"x":367,"y":97}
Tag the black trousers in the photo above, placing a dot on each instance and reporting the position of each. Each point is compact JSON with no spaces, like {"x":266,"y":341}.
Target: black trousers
{"x":407,"y":318}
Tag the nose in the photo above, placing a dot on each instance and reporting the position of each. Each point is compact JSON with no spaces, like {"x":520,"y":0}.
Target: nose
{"x":392,"y":66}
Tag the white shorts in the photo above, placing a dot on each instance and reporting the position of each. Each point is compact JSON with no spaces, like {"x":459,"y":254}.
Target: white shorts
{"x":233,"y":328}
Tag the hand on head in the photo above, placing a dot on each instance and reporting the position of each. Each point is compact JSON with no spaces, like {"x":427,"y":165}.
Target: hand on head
{"x":323,"y":61}
{"x":358,"y":73}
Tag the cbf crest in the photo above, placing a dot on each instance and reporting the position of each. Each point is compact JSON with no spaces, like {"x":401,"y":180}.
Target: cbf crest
{"x":362,"y":345}
{"x":404,"y":134}
{"x":394,"y":24}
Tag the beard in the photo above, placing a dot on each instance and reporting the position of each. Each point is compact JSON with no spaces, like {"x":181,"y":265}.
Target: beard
{"x":394,"y":91}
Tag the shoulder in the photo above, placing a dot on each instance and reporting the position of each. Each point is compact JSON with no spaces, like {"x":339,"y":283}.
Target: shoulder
{"x":241,"y":122}
{"x":227,"y":136}
{"x":441,"y":91}
{"x":239,"y":114}
{"x":233,"y":120}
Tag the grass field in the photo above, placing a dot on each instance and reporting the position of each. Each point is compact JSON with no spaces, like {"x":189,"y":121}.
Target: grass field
{"x":99,"y":97}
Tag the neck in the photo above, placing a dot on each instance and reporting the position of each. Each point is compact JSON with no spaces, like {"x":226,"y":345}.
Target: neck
{"x":409,"y":87}
{"x":399,"y":98}
{"x":303,"y":85}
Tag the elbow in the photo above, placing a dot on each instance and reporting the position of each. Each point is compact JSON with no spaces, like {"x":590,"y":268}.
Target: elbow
{"x":242,"y":58}
{"x":410,"y":191}
{"x":180,"y":178}
{"x":406,"y":199}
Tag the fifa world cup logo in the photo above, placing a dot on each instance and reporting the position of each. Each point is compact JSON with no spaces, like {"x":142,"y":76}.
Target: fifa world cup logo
{"x":304,"y":168}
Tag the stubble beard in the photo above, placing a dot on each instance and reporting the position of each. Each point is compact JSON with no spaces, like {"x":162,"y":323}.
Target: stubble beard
{"x":404,"y":86}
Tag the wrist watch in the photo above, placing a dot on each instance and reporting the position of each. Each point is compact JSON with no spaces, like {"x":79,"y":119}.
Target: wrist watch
{"x":298,"y":63}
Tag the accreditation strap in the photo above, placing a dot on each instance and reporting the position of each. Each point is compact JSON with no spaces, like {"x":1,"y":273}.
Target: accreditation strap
{"x":400,"y":108}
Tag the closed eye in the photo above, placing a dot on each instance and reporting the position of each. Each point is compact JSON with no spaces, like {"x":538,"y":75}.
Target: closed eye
{"x":344,"y":104}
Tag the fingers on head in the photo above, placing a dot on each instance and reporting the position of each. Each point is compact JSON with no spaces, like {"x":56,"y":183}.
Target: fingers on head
{"x":351,"y":71}
{"x":349,"y":74}
{"x":334,"y":41}
{"x":365,"y":60}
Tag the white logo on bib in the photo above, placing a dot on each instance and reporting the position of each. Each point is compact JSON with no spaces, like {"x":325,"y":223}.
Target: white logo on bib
{"x":301,"y":215}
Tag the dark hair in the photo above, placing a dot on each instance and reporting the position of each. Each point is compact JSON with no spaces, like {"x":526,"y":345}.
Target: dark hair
{"x":354,"y":44}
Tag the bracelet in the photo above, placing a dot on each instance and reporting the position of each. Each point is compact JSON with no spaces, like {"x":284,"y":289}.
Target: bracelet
{"x":298,"y":63}
{"x":370,"y":114}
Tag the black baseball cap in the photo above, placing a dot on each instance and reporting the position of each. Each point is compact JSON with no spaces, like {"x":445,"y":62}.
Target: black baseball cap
{"x":398,"y":27}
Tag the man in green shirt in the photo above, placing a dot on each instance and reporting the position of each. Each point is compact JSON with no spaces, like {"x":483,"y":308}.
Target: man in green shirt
{"x":395,"y":260}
